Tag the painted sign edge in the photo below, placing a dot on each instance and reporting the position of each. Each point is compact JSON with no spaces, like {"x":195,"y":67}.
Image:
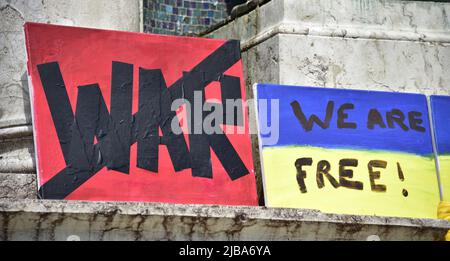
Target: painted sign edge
{"x":32,"y":103}
{"x":437,"y":164}
{"x":260,"y":147}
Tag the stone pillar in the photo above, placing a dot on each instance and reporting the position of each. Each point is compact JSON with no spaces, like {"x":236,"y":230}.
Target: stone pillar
{"x":385,"y":45}
{"x":17,"y":165}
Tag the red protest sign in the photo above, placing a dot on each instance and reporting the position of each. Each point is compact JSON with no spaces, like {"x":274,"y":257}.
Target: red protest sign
{"x":105,"y":126}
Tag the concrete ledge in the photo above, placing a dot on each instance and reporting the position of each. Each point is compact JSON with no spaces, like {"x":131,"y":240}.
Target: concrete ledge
{"x":62,"y":220}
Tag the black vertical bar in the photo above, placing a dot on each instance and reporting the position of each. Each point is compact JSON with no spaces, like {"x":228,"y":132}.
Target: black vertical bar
{"x":59,"y":104}
{"x":84,"y":127}
{"x":231,"y":90}
{"x":175,"y":142}
{"x":121,"y":108}
{"x":200,"y":153}
{"x":148,"y":119}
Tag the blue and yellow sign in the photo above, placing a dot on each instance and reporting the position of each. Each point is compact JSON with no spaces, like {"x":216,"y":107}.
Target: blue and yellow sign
{"x":441,"y":121}
{"x":347,"y":151}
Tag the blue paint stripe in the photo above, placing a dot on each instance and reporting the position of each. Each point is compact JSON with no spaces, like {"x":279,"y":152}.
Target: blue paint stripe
{"x":440,"y":106}
{"x":314,"y":100}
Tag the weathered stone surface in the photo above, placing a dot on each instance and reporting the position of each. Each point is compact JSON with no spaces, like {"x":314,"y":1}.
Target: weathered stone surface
{"x":62,"y":220}
{"x":364,"y":19}
{"x":17,"y":154}
{"x":14,"y":100}
{"x":359,"y":44}
{"x":13,"y":186}
{"x":399,"y":66}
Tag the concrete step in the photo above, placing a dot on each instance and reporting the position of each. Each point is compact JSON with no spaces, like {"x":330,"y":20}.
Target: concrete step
{"x":27,"y":219}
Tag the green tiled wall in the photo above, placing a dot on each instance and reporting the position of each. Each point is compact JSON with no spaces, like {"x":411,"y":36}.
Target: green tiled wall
{"x":182,"y":17}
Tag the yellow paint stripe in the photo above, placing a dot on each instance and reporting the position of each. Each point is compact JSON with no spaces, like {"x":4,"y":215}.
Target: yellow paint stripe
{"x":282,"y":189}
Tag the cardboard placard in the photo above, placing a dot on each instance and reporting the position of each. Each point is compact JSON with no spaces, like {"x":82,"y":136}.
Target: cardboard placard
{"x":347,"y":151}
{"x":104,"y":126}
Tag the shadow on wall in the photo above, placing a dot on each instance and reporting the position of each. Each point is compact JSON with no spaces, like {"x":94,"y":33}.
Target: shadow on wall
{"x":232,"y":3}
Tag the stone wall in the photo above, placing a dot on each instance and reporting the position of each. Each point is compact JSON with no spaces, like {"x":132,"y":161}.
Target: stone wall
{"x":79,"y":220}
{"x":386,"y":45}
